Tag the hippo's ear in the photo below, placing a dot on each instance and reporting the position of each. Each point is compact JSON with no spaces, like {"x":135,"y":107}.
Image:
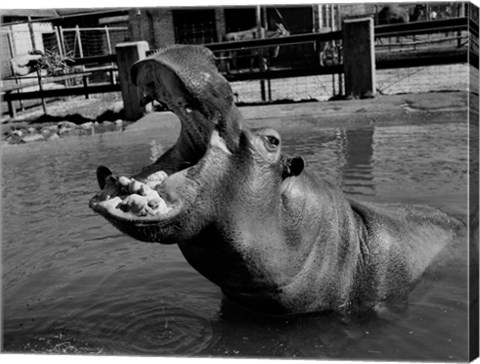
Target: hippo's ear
{"x":293,"y":167}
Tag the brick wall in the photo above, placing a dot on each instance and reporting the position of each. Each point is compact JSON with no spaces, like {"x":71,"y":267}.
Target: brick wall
{"x":153,"y":25}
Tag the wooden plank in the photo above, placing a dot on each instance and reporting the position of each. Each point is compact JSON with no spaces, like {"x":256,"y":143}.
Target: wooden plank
{"x":70,"y":91}
{"x":113,"y":19}
{"x":109,"y":58}
{"x":284,"y":73}
{"x":421,"y":27}
{"x":457,"y":57}
{"x":271,"y":42}
{"x":9,"y":87}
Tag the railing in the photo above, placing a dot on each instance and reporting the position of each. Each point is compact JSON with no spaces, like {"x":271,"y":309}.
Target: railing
{"x":411,"y":59}
{"x":414,"y":59}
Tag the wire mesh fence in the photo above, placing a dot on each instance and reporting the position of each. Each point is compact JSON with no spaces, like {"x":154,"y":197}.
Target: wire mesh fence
{"x":89,"y":42}
{"x":453,"y":77}
{"x":68,"y":42}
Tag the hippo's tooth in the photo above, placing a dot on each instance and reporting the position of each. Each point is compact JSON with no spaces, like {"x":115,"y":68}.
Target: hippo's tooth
{"x":144,"y":190}
{"x":159,"y":176}
{"x":152,"y":204}
{"x":158,"y":206}
{"x":135,"y":186}
{"x":124,"y":181}
{"x":134,"y":204}
{"x":156,"y":179}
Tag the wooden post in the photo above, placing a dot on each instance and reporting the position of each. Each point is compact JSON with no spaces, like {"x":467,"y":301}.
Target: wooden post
{"x":332,"y":16}
{"x":359,"y":57}
{"x":40,"y":88}
{"x":109,"y":47}
{"x":127,"y":54}
{"x":261,"y":64}
{"x":220,"y":26}
{"x":11,"y":106}
{"x":32,"y":34}
{"x":85,"y":86}
{"x":39,"y":74}
{"x":320,"y":17}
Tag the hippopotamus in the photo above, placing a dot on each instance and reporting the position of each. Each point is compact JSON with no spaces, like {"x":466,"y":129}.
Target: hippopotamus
{"x":255,"y":221}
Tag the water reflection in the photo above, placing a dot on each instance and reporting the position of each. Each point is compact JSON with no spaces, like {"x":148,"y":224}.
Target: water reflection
{"x":357,"y":172}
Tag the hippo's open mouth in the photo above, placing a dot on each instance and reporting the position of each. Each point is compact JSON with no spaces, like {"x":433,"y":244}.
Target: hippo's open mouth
{"x":186,"y":79}
{"x":156,"y":207}
{"x":130,"y":200}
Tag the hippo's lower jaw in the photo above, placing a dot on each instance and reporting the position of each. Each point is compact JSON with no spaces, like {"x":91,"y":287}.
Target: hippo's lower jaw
{"x":137,"y":208}
{"x":156,"y":206}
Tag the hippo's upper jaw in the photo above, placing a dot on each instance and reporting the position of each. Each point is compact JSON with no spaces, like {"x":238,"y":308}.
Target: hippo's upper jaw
{"x":185,"y":78}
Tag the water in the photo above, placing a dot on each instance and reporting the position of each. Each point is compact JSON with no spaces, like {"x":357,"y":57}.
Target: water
{"x":73,"y":284}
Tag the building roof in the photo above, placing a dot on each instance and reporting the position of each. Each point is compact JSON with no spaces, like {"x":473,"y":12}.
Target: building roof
{"x":24,"y":13}
{"x":75,"y":11}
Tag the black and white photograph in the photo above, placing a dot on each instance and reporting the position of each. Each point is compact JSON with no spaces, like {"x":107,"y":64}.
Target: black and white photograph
{"x":272,"y":180}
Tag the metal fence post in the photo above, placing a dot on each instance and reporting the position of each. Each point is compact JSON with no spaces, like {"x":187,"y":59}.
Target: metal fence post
{"x":359,"y":57}
{"x":109,"y":43}
{"x":127,"y":54}
{"x":59,"y":42}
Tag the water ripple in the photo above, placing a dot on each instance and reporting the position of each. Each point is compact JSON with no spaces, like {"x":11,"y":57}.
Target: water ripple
{"x":152,"y":328}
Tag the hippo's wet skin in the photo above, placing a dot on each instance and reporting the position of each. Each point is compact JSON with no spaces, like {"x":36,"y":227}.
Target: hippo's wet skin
{"x":253,"y":220}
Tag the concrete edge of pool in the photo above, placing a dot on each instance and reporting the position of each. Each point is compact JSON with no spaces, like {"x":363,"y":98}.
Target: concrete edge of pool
{"x":402,"y":109}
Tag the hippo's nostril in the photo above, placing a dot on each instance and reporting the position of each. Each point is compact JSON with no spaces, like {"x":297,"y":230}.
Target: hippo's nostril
{"x":102,"y":174}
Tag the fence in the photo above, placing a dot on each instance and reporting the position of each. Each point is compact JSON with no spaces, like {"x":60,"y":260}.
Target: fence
{"x":75,"y":43}
{"x":409,"y":58}
{"x":418,"y":54}
{"x":68,"y":42}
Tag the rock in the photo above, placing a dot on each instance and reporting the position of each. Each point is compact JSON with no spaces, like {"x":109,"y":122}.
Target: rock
{"x":14,"y":139}
{"x":64,"y":130}
{"x":17,"y":133}
{"x":51,"y":128}
{"x":66,"y":124}
{"x":118,"y":122}
{"x":53,"y":137}
{"x":107,"y":123}
{"x":87,"y":125}
{"x":32,"y":138}
{"x":46,"y":131}
{"x":117,"y":106}
{"x":32,"y":130}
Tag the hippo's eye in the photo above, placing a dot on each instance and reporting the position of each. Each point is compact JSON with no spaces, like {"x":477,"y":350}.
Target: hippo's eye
{"x":273,"y":140}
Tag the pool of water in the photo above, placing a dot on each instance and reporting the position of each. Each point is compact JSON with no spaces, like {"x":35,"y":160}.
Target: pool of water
{"x":72,"y":283}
